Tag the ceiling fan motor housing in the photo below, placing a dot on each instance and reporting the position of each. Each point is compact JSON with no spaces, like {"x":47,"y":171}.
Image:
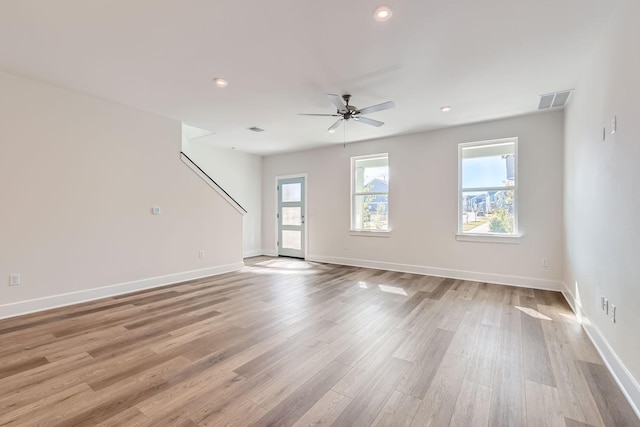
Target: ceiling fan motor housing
{"x":347,"y":112}
{"x":351,"y":111}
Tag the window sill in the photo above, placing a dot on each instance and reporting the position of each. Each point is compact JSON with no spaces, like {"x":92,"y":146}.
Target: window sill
{"x":488,"y":238}
{"x":370,"y":233}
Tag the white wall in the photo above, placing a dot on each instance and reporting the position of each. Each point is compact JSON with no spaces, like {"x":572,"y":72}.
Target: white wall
{"x":78,"y":178}
{"x":602,"y":200}
{"x":423,"y":204}
{"x":240,"y":174}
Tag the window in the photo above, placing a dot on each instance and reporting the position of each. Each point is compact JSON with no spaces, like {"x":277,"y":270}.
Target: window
{"x":488,"y":190}
{"x":370,"y":193}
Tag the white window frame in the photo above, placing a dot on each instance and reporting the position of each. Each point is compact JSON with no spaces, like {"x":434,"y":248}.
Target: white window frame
{"x":489,"y":237}
{"x":361,"y":231}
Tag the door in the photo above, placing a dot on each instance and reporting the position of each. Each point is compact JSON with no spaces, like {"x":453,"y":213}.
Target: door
{"x":291,"y":222}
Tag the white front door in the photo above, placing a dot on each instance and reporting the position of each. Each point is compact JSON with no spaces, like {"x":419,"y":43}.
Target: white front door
{"x":291,"y":221}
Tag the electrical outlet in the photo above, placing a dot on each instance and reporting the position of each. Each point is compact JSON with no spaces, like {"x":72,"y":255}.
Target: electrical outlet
{"x":545,"y":262}
{"x":14,"y":279}
{"x":614,"y":125}
{"x":602,"y":300}
{"x":606,"y":306}
{"x":201,"y":253}
{"x":612,"y":313}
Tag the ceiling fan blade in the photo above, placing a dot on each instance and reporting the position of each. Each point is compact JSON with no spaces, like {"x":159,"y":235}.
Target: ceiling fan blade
{"x":368,"y":121}
{"x":335,"y":126}
{"x":384,"y":106}
{"x":338,"y":102}
{"x":325,"y":115}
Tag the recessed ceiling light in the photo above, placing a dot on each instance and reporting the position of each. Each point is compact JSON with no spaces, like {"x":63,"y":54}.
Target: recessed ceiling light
{"x":220,"y":82}
{"x":382,"y":13}
{"x":445,"y":109}
{"x":332,"y":130}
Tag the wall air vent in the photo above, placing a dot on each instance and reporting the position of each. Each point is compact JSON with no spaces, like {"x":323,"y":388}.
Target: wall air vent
{"x":255,"y":129}
{"x":554,"y":100}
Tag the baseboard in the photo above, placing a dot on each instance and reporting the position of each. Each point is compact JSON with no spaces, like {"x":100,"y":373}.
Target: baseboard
{"x":269,"y":252}
{"x":252,"y":252}
{"x":54,"y":301}
{"x":627,"y":383}
{"x":500,"y":279}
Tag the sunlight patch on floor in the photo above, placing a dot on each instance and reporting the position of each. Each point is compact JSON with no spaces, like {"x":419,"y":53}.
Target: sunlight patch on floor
{"x":533,"y":313}
{"x":392,"y":290}
{"x":283,"y":271}
{"x":289,"y":264}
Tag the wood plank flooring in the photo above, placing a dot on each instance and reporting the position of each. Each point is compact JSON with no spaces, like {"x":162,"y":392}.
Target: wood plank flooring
{"x":293,"y":343}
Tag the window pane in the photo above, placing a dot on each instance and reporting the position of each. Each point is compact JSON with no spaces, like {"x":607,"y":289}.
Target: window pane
{"x":291,"y":239}
{"x":292,"y":192}
{"x":488,"y":166}
{"x":371,"y":212}
{"x":488,"y":212}
{"x":371,"y":175}
{"x":292,"y":216}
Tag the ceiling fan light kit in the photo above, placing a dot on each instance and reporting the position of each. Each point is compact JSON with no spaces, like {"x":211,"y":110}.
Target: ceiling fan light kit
{"x":347,"y":112}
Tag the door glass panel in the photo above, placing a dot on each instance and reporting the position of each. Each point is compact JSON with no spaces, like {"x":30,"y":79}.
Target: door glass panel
{"x":292,"y":192}
{"x":292,"y":216}
{"x":291,"y":239}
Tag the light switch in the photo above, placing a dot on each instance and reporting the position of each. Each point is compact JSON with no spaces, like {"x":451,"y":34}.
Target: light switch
{"x":155,"y":210}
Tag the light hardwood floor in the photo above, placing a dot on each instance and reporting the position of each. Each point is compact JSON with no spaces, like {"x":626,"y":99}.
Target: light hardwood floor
{"x":286,"y":342}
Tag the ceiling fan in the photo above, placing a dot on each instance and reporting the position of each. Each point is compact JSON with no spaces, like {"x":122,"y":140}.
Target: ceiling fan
{"x":348,"y":112}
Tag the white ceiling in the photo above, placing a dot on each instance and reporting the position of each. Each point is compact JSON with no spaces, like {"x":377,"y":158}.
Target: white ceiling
{"x":486,"y":58}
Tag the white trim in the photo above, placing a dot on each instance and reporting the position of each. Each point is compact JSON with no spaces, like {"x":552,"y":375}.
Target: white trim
{"x":627,"y":383}
{"x":461,"y":146}
{"x":476,"y":276}
{"x":54,"y":301}
{"x":213,"y":185}
{"x":488,"y":238}
{"x":503,"y":188}
{"x":306,"y":214}
{"x":355,"y":193}
{"x":252,"y":252}
{"x":370,"y":233}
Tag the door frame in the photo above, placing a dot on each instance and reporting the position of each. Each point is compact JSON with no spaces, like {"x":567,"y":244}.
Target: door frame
{"x":306,"y":209}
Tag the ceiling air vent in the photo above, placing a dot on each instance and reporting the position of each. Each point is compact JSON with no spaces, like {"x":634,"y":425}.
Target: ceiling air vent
{"x":255,"y":129}
{"x":554,"y":100}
